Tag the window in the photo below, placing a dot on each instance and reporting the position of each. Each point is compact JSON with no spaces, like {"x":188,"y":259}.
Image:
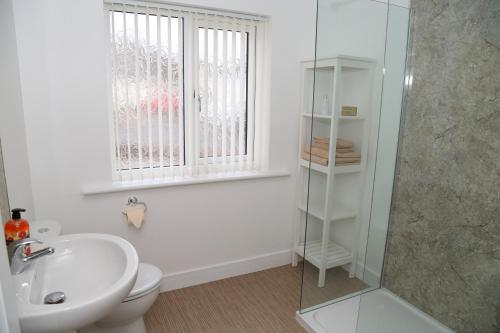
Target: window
{"x":186,"y":92}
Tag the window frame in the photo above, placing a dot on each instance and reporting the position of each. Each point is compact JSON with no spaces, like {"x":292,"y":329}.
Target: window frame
{"x":250,"y":88}
{"x":192,"y":21}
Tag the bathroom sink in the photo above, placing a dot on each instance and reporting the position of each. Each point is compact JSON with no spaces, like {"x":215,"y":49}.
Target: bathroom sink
{"x":94,"y":271}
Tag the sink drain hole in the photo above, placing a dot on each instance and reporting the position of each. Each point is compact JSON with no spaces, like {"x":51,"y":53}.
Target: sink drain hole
{"x":56,"y":297}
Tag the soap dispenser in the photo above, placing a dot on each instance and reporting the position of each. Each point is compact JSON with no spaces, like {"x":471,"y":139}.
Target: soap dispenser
{"x":17,"y":228}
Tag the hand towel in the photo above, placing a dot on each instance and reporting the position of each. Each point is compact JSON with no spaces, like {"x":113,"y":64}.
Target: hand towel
{"x":347,"y":160}
{"x":341,"y":143}
{"x":347,"y":154}
{"x":315,"y":159}
{"x":323,"y":153}
{"x":346,"y":163}
{"x":324,"y":146}
{"x":343,"y":146}
{"x":344,"y":150}
{"x":321,"y":140}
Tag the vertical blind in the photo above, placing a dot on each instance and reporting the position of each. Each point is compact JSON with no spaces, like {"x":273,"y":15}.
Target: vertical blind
{"x":184,"y":89}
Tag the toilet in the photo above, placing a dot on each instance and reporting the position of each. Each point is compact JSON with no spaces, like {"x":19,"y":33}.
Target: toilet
{"x":128,"y":316}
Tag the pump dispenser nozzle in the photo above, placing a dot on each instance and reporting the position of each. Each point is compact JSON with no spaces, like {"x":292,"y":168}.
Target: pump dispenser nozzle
{"x":16,"y":213}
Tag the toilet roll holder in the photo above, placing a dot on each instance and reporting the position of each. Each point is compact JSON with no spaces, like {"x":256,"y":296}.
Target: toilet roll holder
{"x":133,"y":201}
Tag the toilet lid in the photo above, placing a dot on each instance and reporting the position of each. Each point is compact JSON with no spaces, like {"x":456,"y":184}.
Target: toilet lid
{"x":148,"y":277}
{"x":45,"y":229}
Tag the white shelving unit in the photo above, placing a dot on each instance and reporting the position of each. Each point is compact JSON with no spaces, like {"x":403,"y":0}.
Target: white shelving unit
{"x":335,"y":191}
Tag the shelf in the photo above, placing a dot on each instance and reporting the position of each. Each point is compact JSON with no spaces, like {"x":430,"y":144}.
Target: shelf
{"x":348,"y":62}
{"x":338,"y":213}
{"x":329,"y":117}
{"x":315,"y":212}
{"x":352,"y":118}
{"x":318,"y":116}
{"x":336,"y":255}
{"x":316,"y":167}
{"x":344,"y":169}
{"x":337,"y":201}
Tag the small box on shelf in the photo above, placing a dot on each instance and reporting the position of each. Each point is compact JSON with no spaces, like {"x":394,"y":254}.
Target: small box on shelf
{"x":349,"y":111}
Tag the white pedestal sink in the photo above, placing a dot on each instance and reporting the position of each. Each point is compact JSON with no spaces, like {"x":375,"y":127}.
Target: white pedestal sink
{"x":95,"y":271}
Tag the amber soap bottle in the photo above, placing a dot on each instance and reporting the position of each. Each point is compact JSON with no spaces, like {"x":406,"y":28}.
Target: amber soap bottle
{"x":17,"y":228}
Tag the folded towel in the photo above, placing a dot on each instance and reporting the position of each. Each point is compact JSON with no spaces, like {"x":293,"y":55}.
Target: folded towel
{"x":346,"y":163}
{"x":324,"y":146}
{"x":323,"y":153}
{"x":341,"y":143}
{"x":347,"y":160}
{"x":315,"y":159}
{"x":321,"y":140}
{"x":347,"y":154}
{"x":344,"y":150}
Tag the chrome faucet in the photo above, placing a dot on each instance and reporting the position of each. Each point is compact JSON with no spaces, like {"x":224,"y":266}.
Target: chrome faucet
{"x":19,"y":261}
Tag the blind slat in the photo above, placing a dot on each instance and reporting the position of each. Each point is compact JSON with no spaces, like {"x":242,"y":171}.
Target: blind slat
{"x":215,"y":73}
{"x":233,"y":96}
{"x":181,"y":96}
{"x":170,"y":95}
{"x":251,"y":104}
{"x":127,"y":105}
{"x":159,"y":89}
{"x":114,"y":91}
{"x":137,"y":89}
{"x":224,"y":96}
{"x":205,"y":97}
{"x":242,"y":69}
{"x":148,"y":74}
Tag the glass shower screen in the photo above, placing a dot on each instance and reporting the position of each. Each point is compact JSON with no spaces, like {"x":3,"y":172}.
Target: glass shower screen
{"x":341,"y":219}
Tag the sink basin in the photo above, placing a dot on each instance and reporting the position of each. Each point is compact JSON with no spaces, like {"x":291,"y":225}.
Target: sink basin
{"x":95,"y":272}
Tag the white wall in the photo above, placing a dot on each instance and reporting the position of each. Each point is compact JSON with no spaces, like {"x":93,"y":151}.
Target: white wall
{"x":9,"y":322}
{"x":12,"y":128}
{"x":62,"y":63}
{"x":15,"y":156}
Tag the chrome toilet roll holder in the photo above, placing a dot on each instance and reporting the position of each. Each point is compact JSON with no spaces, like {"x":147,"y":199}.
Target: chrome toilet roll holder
{"x":133,"y":201}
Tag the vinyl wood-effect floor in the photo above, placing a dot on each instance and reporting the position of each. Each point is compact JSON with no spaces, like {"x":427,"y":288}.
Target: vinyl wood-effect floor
{"x":264,"y":301}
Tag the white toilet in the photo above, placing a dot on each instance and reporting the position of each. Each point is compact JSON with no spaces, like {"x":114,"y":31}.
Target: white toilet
{"x":128,"y":316}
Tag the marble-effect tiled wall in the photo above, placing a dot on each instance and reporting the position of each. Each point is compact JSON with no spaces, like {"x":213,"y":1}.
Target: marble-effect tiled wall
{"x":444,"y":241}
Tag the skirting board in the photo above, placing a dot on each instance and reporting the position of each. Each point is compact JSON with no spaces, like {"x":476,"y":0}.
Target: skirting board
{"x":224,"y":270}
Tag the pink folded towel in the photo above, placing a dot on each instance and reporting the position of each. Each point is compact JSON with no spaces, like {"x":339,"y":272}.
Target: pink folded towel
{"x":344,"y":150}
{"x":347,"y":154}
{"x":344,"y":160}
{"x":315,"y":159}
{"x":341,"y":143}
{"x":317,"y":151}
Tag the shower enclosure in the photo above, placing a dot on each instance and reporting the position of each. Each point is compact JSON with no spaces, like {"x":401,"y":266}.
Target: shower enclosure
{"x":348,"y":146}
{"x":356,"y":93}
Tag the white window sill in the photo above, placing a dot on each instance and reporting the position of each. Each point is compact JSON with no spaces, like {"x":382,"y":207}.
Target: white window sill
{"x":150,"y":184}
